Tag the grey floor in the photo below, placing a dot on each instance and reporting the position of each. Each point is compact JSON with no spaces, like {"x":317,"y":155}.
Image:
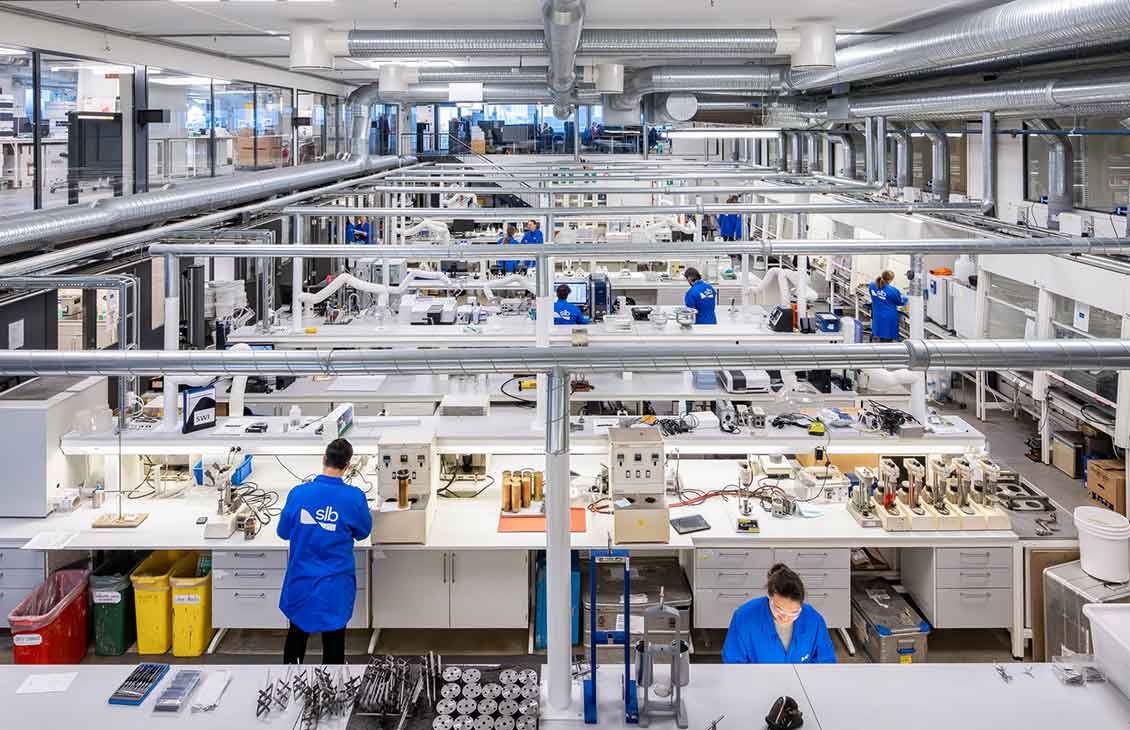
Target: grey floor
{"x":1006,"y":440}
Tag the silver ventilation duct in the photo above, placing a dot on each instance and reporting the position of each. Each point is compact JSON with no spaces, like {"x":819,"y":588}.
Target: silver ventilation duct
{"x":994,"y":34}
{"x":727,"y":79}
{"x":1061,"y":171}
{"x":845,"y":142}
{"x":29,"y":231}
{"x":904,"y":174}
{"x":484,"y":74}
{"x":493,"y":93}
{"x":939,"y":161}
{"x":563,"y":21}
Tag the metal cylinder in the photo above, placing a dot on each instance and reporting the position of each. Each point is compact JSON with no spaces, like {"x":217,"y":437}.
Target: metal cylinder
{"x":506,"y":504}
{"x":402,"y":483}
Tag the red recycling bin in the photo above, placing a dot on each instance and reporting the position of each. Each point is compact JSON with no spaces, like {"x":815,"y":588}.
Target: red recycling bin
{"x":49,"y":626}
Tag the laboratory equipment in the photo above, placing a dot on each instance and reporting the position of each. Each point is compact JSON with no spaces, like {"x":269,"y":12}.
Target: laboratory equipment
{"x":910,"y":496}
{"x":1067,"y":588}
{"x":987,"y":490}
{"x":887,"y":626}
{"x":140,"y":682}
{"x":175,"y":696}
{"x":934,"y":494}
{"x":600,"y":295}
{"x":407,"y":473}
{"x":886,"y":504}
{"x":861,"y":506}
{"x":637,"y":485}
{"x":676,"y":654}
{"x":433,"y":310}
{"x":230,"y":511}
{"x":822,"y":483}
{"x":685,"y":316}
{"x":618,"y":637}
{"x":744,"y":381}
{"x":785,"y":714}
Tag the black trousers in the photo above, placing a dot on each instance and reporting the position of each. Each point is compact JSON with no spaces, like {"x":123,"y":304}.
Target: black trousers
{"x":333,"y":646}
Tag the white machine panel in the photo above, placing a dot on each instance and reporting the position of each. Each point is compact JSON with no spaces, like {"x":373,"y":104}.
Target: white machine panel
{"x":635,"y":461}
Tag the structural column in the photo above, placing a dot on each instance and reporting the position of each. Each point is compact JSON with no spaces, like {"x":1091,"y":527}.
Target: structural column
{"x":172,"y":336}
{"x":557,"y":555}
{"x":988,"y":165}
{"x":296,"y":276}
{"x":917,"y":332}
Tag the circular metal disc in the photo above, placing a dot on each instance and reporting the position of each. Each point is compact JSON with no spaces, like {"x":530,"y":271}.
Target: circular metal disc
{"x":492,"y":691}
{"x":467,"y":706}
{"x":508,"y":707}
{"x":528,"y":676}
{"x":524,"y":723}
{"x":484,"y":722}
{"x":452,"y":674}
{"x":508,"y":676}
{"x":504,"y":723}
{"x":511,"y":692}
{"x":488,"y":706}
{"x":474,"y":691}
{"x":445,"y":707}
{"x":531,"y":691}
{"x":464,"y":722}
{"x":472,"y":676}
{"x":442,"y":722}
{"x":450,"y":691}
{"x":529,"y":707}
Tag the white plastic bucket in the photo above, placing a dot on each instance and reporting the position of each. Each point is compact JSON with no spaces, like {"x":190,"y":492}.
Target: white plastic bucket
{"x":1104,"y":544}
{"x":1110,"y":639}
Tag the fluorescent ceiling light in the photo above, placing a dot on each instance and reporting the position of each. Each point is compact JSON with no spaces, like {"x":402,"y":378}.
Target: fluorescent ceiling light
{"x":98,"y":68}
{"x":410,"y":63}
{"x":180,"y":80}
{"x":12,"y":52}
{"x":724,"y":133}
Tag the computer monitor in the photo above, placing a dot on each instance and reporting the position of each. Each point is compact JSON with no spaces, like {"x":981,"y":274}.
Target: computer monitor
{"x":578,"y":292}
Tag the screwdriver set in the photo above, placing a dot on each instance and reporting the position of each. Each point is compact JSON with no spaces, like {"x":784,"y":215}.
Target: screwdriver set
{"x":137,"y":686}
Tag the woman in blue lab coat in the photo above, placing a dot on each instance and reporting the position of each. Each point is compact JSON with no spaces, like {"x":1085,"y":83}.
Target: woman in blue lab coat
{"x":357,"y":231}
{"x":532,"y":236}
{"x":779,"y":628}
{"x":730,"y":224}
{"x":509,"y":266}
{"x":701,"y":297}
{"x":885,"y":301}
{"x":564,"y":311}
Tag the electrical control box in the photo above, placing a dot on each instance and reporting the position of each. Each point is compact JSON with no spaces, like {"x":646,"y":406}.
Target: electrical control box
{"x":405,"y":518}
{"x":635,"y":461}
{"x":418,"y":459}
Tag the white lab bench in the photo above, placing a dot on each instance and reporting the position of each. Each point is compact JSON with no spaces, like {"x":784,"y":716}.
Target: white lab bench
{"x":831,"y":697}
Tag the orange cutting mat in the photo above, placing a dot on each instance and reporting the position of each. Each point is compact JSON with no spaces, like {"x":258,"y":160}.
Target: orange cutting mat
{"x":536,"y":523}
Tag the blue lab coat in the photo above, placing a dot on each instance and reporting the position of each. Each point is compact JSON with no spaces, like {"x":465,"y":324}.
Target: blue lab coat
{"x":753,"y":639}
{"x":508,"y":266}
{"x":565,"y":312}
{"x":352,"y":231}
{"x":884,"y":311}
{"x":730,"y":226}
{"x":321,"y":520}
{"x":532,"y":238}
{"x":702,"y":298}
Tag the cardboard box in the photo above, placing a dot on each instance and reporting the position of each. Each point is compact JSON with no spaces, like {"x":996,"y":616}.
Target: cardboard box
{"x":1106,"y":480}
{"x":478,"y":146}
{"x":1067,"y":452}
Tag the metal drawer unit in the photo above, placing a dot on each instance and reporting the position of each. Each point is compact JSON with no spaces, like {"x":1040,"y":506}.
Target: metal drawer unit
{"x":20,"y":572}
{"x":726,"y":578}
{"x":960,"y":588}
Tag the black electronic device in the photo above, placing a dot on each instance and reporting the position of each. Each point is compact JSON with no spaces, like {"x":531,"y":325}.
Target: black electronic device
{"x":821,"y":380}
{"x":600,"y":295}
{"x":785,"y":714}
{"x":689,"y":524}
{"x":781,"y":319}
{"x":155,"y":116}
{"x":641,"y":314}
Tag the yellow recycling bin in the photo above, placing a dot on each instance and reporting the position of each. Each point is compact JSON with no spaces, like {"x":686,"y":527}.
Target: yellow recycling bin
{"x":192,"y":607}
{"x":153,"y":599}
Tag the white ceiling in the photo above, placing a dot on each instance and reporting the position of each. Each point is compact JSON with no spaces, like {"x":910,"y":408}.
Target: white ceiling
{"x":172,"y":20}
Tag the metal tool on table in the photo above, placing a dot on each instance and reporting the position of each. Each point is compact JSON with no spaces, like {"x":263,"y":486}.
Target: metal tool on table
{"x":892,"y":514}
{"x":676,"y":654}
{"x":611,"y":638}
{"x":137,"y":686}
{"x":860,"y":505}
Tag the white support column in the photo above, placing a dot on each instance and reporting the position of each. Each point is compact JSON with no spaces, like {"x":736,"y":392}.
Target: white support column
{"x":981,"y":326}
{"x":1045,"y":309}
{"x":542,"y":325}
{"x":1122,"y":409}
{"x":172,"y":337}
{"x":918,"y":332}
{"x":296,"y":276}
{"x":559,"y":665}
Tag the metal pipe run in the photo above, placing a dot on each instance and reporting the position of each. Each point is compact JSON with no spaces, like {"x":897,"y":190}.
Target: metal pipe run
{"x":599,"y":176}
{"x":488,"y":189}
{"x":1066,"y":355}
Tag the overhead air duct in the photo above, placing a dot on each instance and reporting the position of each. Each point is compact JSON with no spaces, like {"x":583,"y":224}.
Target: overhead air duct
{"x":845,"y":159}
{"x":395,"y":78}
{"x":609,"y":78}
{"x":994,"y":34}
{"x":1061,"y":171}
{"x":728,"y":79}
{"x":309,"y":49}
{"x":817,"y":47}
{"x":939,"y":161}
{"x":563,"y":21}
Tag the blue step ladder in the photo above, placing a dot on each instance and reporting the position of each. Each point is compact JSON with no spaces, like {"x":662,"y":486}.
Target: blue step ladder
{"x":611,"y":638}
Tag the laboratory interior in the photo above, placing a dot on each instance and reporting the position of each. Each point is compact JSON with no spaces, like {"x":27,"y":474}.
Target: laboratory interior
{"x":429,"y":365}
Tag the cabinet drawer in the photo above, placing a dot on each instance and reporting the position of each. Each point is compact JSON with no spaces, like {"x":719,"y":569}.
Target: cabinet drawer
{"x":974,"y":557}
{"x":247,"y":608}
{"x":15,"y":558}
{"x":825,"y":579}
{"x":748,"y":579}
{"x":253,"y":559}
{"x":727,"y":559}
{"x":223,"y":578}
{"x":23,"y":578}
{"x":833,"y":605}
{"x":974,"y":608}
{"x":713,"y":607}
{"x":360,"y":617}
{"x":9,"y":599}
{"x":975,"y":578}
{"x":798,"y":560}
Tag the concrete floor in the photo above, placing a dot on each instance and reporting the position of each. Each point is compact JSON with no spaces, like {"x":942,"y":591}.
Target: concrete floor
{"x":1006,"y":440}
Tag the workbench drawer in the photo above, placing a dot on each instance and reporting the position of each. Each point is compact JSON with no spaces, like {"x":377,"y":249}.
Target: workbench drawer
{"x":247,"y":608}
{"x":713,"y":607}
{"x":23,"y":578}
{"x":360,"y":617}
{"x":249,"y":559}
{"x":825,"y":579}
{"x":223,"y":578}
{"x":15,"y":558}
{"x":733,"y":558}
{"x":949,"y":558}
{"x":974,"y":608}
{"x":833,"y":605}
{"x":9,"y":599}
{"x":800,"y":560}
{"x":750,"y":578}
{"x":975,"y":578}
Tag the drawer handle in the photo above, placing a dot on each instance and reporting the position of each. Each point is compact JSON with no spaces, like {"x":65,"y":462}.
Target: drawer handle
{"x":802,"y":556}
{"x":256,"y":596}
{"x":817,"y":595}
{"x":731,"y":572}
{"x":733,"y":595}
{"x":985,"y":595}
{"x":975,"y":555}
{"x":248,"y":555}
{"x":975,"y":575}
{"x":734,"y":554}
{"x":250,"y":573}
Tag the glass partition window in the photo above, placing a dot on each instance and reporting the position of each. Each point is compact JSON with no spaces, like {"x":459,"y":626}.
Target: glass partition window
{"x":17,"y":115}
{"x":333,"y":127}
{"x":234,"y":126}
{"x":311,"y":138}
{"x":181,"y":148}
{"x":85,"y":153}
{"x":274,"y":118}
{"x":1101,"y":170}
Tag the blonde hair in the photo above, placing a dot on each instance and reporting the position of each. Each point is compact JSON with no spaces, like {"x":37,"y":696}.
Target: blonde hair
{"x":884,"y":278}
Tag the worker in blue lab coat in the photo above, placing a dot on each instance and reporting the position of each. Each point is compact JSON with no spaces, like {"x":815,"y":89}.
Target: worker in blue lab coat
{"x":701,"y":297}
{"x":730,"y":224}
{"x":509,"y":266}
{"x":358,"y":230}
{"x":564,"y":311}
{"x":885,"y":301}
{"x":779,"y":628}
{"x":532,"y":235}
{"x":321,"y":520}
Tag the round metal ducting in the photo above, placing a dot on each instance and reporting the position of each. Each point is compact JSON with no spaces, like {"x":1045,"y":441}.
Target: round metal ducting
{"x":681,"y":107}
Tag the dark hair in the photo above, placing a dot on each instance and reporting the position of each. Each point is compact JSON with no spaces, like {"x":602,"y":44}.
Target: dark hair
{"x":563,"y":291}
{"x":692,"y":274}
{"x":338,"y":454}
{"x":785,"y":583}
{"x":510,"y":231}
{"x":884,"y":278}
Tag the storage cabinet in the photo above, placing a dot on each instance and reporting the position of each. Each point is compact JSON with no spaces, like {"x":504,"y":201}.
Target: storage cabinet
{"x":467,"y":589}
{"x":20,"y":572}
{"x":960,"y":588}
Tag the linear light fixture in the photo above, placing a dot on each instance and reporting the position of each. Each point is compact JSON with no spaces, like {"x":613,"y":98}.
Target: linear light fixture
{"x":724,"y":133}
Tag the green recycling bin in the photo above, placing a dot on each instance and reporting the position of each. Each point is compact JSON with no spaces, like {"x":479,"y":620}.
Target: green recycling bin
{"x":115,"y":627}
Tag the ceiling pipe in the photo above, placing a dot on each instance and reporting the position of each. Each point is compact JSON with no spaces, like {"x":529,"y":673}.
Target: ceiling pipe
{"x":845,"y":142}
{"x":994,"y":34}
{"x":563,"y":21}
{"x":492,"y":93}
{"x":904,"y":175}
{"x":1061,"y":171}
{"x":939,"y":161}
{"x":1062,"y":355}
{"x":757,"y":80}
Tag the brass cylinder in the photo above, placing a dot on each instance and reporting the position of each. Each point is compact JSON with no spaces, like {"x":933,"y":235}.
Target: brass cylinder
{"x":515,"y":494}
{"x":527,"y":489}
{"x":539,"y":486}
{"x":506,"y":491}
{"x":402,"y":489}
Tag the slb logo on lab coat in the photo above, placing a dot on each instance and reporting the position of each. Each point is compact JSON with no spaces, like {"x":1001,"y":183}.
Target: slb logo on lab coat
{"x":326,"y":518}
